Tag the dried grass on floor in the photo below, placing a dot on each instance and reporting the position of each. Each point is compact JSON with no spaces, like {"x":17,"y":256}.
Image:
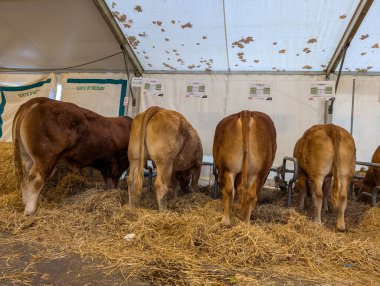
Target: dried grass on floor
{"x":187,"y":245}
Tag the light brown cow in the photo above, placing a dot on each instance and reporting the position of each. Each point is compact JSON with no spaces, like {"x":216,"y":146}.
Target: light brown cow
{"x":244,"y":149}
{"x":325,"y":152}
{"x":45,"y":131}
{"x":372,"y":178}
{"x":169,"y":140}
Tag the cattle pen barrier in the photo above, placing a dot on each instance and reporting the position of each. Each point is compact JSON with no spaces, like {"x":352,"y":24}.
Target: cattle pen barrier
{"x":375,"y":190}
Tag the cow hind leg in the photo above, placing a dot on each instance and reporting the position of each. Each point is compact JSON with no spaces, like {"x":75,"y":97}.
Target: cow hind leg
{"x":227,"y":181}
{"x":196,"y":173}
{"x":164,"y":174}
{"x":326,"y":189}
{"x":250,"y":200}
{"x":301,"y":186}
{"x":317,"y":194}
{"x":35,"y":184}
{"x":342,"y":203}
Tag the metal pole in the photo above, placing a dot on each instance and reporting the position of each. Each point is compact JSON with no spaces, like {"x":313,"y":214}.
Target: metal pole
{"x":352,"y":105}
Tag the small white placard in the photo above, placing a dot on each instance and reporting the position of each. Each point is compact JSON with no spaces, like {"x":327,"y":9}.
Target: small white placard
{"x":152,"y":87}
{"x":322,"y":90}
{"x":196,"y":89}
{"x":260,"y":90}
{"x":126,"y":101}
{"x":137,"y":82}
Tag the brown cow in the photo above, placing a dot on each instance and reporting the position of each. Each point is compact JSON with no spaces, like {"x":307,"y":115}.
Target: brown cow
{"x":244,"y":149}
{"x":372,"y":178}
{"x":169,"y":140}
{"x":45,"y":131}
{"x":325,"y":152}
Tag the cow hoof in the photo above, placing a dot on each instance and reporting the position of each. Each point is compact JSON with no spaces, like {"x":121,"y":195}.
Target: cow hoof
{"x":341,"y":227}
{"x":29,"y":212}
{"x":226,"y":221}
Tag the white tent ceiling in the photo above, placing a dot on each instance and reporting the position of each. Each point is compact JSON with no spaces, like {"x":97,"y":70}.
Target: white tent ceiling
{"x":187,"y":36}
{"x":46,"y":34}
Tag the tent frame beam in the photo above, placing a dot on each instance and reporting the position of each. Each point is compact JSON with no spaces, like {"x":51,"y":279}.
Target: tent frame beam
{"x":355,"y":22}
{"x":119,"y":35}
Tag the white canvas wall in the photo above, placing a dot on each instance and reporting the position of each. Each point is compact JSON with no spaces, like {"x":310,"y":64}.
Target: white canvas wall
{"x":366,"y":125}
{"x":290,"y":109}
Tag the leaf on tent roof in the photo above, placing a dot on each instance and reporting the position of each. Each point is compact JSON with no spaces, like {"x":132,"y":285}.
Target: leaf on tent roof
{"x":307,"y":50}
{"x":138,"y":8}
{"x":283,"y":51}
{"x":375,"y":46}
{"x":187,"y":25}
{"x":363,"y":53}
{"x":240,"y":43}
{"x":343,"y":16}
{"x":363,"y":37}
{"x":169,"y":66}
{"x":307,"y":67}
{"x":312,"y":41}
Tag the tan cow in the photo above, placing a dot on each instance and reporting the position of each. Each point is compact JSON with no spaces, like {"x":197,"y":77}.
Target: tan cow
{"x":168,"y":139}
{"x":325,"y":152}
{"x":372,"y":178}
{"x":45,"y":131}
{"x":244,"y":149}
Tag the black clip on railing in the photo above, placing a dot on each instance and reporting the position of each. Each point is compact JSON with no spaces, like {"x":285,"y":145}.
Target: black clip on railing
{"x":375,"y":190}
{"x":284,"y":170}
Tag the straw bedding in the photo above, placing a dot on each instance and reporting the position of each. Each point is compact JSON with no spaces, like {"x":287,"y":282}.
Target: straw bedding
{"x":187,"y":245}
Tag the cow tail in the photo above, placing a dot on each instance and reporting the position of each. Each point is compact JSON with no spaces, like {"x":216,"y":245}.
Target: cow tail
{"x":245,"y":117}
{"x":19,"y":171}
{"x":149,"y":113}
{"x":335,"y":138}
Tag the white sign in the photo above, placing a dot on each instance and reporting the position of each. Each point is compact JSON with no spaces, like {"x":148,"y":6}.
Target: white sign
{"x":137,"y":82}
{"x":322,"y":90}
{"x":260,"y":91}
{"x":152,"y":87}
{"x":196,"y":89}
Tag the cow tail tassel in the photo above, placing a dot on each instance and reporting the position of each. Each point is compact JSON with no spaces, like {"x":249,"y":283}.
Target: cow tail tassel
{"x":245,"y":116}
{"x":335,"y":138}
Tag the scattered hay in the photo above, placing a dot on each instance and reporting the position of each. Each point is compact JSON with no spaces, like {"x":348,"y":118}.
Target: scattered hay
{"x":187,"y":245}
{"x":8,"y":181}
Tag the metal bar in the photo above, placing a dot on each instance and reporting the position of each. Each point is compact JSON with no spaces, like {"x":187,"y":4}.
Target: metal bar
{"x":119,"y":35}
{"x":350,"y":32}
{"x":225,"y":36}
{"x":368,"y":164}
{"x":216,"y":181}
{"x":375,"y":190}
{"x":150,"y":178}
{"x":290,"y":187}
{"x":352,"y":106}
{"x":284,"y":170}
{"x":341,"y":66}
{"x":316,"y":73}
